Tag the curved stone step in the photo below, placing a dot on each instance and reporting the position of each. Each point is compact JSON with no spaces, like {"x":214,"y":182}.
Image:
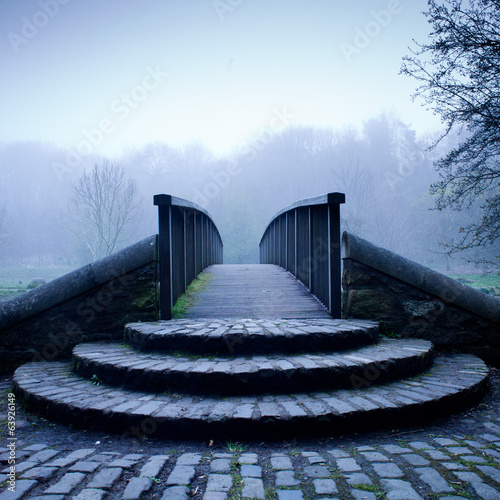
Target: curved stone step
{"x":236,"y":375}
{"x":224,"y":337}
{"x":48,"y":389}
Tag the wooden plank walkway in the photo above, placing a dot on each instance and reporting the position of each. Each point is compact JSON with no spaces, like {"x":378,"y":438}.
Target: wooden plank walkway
{"x":255,"y":291}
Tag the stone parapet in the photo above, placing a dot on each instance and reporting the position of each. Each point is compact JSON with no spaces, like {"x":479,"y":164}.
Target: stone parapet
{"x":90,"y":303}
{"x":411,"y":300}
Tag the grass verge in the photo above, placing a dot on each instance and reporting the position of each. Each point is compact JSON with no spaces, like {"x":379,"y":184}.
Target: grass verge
{"x":187,"y":300}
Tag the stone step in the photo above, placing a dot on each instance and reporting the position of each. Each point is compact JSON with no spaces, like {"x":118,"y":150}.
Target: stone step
{"x":453,"y":383}
{"x":224,"y":336}
{"x":118,"y":365}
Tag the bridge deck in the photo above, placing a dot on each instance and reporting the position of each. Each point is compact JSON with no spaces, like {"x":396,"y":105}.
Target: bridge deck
{"x":258,"y":291}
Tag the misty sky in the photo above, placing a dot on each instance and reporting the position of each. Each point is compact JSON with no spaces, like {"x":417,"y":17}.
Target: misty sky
{"x":215,"y":71}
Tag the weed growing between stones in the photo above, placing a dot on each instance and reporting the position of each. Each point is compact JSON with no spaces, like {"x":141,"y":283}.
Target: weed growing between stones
{"x":463,"y":489}
{"x":270,"y":493}
{"x":352,"y":451}
{"x":190,"y":356}
{"x":335,"y":474}
{"x":470,"y":437}
{"x":76,"y":366}
{"x":433,"y":496}
{"x":472,"y":463}
{"x":376,"y":489}
{"x":236,"y":489}
{"x":235,"y":447}
{"x":96,"y":380}
{"x":386,"y":333}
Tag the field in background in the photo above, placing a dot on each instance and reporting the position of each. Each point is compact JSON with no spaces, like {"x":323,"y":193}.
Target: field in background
{"x":15,"y":280}
{"x":487,"y":283}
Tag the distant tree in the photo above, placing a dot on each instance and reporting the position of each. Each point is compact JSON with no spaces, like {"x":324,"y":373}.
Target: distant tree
{"x":351,"y":174}
{"x":159,"y":159}
{"x":459,"y":76}
{"x":103,"y":209}
{"x":4,"y":229}
{"x":192,"y":158}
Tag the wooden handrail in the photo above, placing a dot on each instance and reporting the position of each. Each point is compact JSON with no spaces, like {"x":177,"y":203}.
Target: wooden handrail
{"x":189,"y":241}
{"x":304,"y":239}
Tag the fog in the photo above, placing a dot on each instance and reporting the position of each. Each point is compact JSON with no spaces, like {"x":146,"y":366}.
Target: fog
{"x":240,"y":106}
{"x":383,"y":168}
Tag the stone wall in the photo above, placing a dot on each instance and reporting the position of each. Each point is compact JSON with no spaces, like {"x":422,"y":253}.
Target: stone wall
{"x":91,"y":303}
{"x":411,"y":300}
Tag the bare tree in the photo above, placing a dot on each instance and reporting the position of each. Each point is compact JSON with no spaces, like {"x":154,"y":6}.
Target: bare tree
{"x":458,"y":72}
{"x":159,"y":159}
{"x":103,"y":209}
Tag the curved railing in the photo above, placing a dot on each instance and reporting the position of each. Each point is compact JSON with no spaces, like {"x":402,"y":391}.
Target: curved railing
{"x":189,"y":241}
{"x":304,"y":239}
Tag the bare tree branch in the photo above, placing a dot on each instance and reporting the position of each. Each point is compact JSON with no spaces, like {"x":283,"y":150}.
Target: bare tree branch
{"x":459,"y":78}
{"x":103,"y":209}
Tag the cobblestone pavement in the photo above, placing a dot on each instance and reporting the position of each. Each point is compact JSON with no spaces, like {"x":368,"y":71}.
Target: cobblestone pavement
{"x":454,"y":458}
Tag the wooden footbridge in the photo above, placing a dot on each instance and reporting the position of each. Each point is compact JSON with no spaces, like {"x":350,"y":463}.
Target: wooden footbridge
{"x":303,"y":239}
{"x":263,"y":351}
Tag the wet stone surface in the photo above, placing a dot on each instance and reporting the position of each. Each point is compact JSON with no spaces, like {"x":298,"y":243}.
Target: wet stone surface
{"x":223,"y":336}
{"x":451,"y":382}
{"x":119,"y":365}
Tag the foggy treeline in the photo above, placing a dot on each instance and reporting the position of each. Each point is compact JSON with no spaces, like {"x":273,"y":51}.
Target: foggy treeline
{"x":383,"y":168}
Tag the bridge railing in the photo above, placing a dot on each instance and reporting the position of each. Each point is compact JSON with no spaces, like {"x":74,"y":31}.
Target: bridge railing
{"x":304,"y":239}
{"x":189,"y":241}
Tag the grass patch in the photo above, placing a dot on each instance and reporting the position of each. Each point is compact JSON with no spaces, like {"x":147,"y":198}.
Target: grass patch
{"x":236,"y":489}
{"x":15,"y":280}
{"x":270,"y":493}
{"x":235,"y":447}
{"x":10,"y":293}
{"x":21,"y":276}
{"x":189,"y":356}
{"x":463,"y":489}
{"x":471,"y":463}
{"x":386,"y":333}
{"x":372,"y":488}
{"x":96,"y":380}
{"x":187,"y":300}
{"x":487,"y":283}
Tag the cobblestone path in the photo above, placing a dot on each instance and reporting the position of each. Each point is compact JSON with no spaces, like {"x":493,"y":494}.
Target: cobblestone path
{"x":439,"y":467}
{"x":454,"y":458}
{"x":458,"y":457}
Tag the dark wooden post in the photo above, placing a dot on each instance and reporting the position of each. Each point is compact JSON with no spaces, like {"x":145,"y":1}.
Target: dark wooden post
{"x":335,"y":265}
{"x":164,"y":203}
